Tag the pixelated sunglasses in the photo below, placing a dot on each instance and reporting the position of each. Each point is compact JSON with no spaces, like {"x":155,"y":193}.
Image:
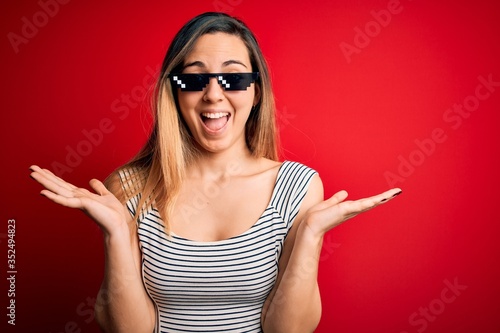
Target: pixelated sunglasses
{"x":198,"y":81}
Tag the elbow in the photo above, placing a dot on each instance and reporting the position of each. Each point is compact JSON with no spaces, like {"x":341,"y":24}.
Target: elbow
{"x":305,"y":323}
{"x":100,"y":318}
{"x":291,"y":317}
{"x":110,"y":324}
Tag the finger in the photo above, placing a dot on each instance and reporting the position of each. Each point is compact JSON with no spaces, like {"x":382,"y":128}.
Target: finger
{"x":59,"y":180}
{"x":98,"y":187}
{"x":47,"y":174}
{"x":354,"y":208}
{"x":334,"y":211}
{"x":333,"y":200}
{"x":50,"y":184}
{"x":391,"y":194}
{"x":346,"y":210}
{"x":338,"y":197}
{"x":62,"y":200}
{"x":366,"y":203}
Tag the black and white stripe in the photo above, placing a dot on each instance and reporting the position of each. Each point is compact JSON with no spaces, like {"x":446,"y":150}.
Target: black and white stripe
{"x":219,"y":286}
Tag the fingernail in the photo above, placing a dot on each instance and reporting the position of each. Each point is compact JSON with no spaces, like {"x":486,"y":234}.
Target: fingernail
{"x":397,"y":193}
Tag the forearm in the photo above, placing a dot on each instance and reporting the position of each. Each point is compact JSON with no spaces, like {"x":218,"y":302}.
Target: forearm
{"x":296,"y":304}
{"x":122,"y":304}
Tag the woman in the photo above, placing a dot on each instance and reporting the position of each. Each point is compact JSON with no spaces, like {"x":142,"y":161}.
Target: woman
{"x":205,"y":230}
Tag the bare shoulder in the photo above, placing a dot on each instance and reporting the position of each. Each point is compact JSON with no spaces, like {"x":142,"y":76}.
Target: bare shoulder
{"x":268,"y":164}
{"x":262,"y":166}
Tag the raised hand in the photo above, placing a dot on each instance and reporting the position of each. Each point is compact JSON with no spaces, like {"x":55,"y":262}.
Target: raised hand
{"x":332,"y":212}
{"x":102,"y":206}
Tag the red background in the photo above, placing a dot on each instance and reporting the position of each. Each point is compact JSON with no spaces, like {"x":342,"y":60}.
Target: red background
{"x":354,"y":119}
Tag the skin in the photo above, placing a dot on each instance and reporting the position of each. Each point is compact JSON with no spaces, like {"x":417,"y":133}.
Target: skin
{"x":252,"y":179}
{"x":218,"y":53}
{"x":236,"y":178}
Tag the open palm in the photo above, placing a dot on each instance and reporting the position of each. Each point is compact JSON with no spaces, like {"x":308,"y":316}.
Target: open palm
{"x":332,"y":212}
{"x":102,"y":206}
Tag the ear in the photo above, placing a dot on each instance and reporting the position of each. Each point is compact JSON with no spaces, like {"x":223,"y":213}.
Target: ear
{"x":258,"y":93}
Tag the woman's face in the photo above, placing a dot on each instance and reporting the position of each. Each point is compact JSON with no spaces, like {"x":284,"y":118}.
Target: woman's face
{"x":216,"y":117}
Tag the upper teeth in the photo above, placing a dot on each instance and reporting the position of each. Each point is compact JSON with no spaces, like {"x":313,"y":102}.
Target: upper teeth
{"x":214,"y":115}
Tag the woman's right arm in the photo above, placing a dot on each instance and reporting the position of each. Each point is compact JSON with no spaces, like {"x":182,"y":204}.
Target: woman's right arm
{"x":122,"y":304}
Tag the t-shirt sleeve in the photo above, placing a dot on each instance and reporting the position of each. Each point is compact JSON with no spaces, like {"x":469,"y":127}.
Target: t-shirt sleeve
{"x":291,"y":188}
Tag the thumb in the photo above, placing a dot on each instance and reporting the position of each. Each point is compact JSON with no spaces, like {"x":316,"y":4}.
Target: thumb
{"x":98,"y":187}
{"x":332,"y":201}
{"x":337,"y":197}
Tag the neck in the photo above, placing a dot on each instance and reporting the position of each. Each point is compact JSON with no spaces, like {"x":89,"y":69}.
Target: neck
{"x":213,"y":165}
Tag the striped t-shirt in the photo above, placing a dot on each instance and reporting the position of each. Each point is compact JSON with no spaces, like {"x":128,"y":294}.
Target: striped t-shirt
{"x":219,"y":286}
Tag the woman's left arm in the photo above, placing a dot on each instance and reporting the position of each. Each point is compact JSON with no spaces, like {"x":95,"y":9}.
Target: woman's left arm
{"x":294,"y":304}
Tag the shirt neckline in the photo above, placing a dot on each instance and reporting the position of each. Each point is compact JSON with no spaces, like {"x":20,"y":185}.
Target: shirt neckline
{"x":232,"y":238}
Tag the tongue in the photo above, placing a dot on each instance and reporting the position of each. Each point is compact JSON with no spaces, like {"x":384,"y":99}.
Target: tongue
{"x":215,"y":124}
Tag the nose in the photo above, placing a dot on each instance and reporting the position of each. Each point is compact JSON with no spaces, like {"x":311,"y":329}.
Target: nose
{"x":213,"y":91}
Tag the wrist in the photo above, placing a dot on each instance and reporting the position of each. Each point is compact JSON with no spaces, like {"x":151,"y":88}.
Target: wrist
{"x":118,"y":234}
{"x":306,"y":233}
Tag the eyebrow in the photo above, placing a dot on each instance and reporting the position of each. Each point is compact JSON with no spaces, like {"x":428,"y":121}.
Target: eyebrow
{"x":200,"y":64}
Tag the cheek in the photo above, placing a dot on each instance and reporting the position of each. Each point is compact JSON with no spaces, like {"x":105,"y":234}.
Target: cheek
{"x":244,"y":100}
{"x":243,"y":108}
{"x":185,"y":100}
{"x":187,"y":103}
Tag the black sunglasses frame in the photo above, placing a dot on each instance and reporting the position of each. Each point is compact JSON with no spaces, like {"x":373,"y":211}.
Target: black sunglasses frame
{"x":198,"y":81}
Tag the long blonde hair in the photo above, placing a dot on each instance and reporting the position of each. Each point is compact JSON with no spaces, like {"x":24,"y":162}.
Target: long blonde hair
{"x":157,"y":171}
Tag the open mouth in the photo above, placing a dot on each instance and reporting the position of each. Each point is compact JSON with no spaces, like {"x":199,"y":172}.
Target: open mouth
{"x":215,"y":121}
